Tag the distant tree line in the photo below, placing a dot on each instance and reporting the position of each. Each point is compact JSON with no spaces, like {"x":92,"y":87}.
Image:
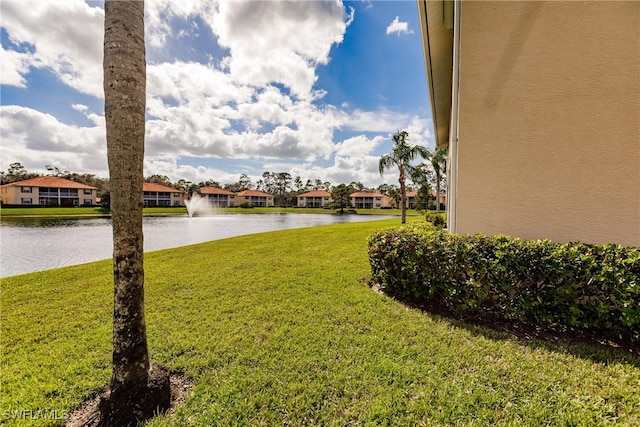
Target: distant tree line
{"x":17,"y":172}
{"x":281,"y":185}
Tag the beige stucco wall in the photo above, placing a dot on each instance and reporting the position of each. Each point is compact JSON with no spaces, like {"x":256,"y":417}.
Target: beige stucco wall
{"x":549,"y":125}
{"x":247,"y":199}
{"x":13,"y":195}
{"x":303,"y":200}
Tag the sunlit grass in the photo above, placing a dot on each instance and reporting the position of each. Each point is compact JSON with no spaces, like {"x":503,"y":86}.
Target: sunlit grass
{"x":277,"y":329}
{"x":50,"y":211}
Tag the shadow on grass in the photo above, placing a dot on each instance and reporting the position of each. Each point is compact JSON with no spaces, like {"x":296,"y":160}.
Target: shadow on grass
{"x":580,"y":344}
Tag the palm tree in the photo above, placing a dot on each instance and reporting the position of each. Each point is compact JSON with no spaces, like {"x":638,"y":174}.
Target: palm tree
{"x":130,"y":396}
{"x":400,"y":157}
{"x":439,"y":163}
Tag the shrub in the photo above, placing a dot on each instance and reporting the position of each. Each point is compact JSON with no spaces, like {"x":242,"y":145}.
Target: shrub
{"x":438,"y":220}
{"x":593,"y":288}
{"x":246,"y":205}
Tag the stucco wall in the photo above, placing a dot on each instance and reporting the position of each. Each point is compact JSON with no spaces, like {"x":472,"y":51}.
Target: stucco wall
{"x":549,"y":137}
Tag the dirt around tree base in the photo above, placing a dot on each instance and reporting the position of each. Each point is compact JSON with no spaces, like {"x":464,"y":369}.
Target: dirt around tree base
{"x":88,"y":414}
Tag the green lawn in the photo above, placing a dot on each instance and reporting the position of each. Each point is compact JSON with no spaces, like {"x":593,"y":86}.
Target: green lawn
{"x":277,"y":329}
{"x":80,"y":211}
{"x":6,"y":212}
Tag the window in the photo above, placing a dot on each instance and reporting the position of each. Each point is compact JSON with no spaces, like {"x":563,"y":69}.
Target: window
{"x":25,"y":190}
{"x":176,"y":194}
{"x":87,"y":201}
{"x":48,"y":192}
{"x":26,"y":201}
{"x":68,"y":192}
{"x":87,"y":191}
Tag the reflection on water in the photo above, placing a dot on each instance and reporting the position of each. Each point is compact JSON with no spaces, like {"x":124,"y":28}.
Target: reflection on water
{"x":35,"y":244}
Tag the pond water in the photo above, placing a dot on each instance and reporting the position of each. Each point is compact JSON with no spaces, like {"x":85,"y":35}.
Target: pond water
{"x":35,"y":244}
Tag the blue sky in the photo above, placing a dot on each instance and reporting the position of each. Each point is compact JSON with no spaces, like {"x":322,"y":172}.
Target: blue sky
{"x":314,"y":88}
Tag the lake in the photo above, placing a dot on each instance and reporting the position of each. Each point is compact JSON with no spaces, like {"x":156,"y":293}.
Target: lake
{"x":35,"y":244}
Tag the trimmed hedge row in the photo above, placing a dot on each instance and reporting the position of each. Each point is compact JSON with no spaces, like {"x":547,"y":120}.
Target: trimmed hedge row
{"x":594,"y":288}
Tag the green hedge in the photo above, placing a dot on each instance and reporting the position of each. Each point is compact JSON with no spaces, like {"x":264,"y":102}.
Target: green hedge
{"x":593,"y":288}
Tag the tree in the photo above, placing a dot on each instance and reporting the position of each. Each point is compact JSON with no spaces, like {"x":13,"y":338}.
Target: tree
{"x":53,"y":170}
{"x":401,"y":157}
{"x":186,"y":186}
{"x":135,"y":390}
{"x":245,"y":182}
{"x":308,"y":186}
{"x":16,"y":172}
{"x":341,"y":197}
{"x":357,"y":185}
{"x":422,"y":177}
{"x":439,"y":163}
{"x":268,"y":182}
{"x":159,"y":179}
{"x":282,"y":184}
{"x":209,"y":183}
{"x":394,"y":193}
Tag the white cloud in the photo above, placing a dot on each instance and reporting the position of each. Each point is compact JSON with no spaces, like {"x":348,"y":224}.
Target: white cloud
{"x":37,"y":139}
{"x":373,"y":121}
{"x":66,"y":37}
{"x":170,"y":167}
{"x":257,"y":103}
{"x":346,"y":169}
{"x":158,"y":15}
{"x":266,"y":43}
{"x":358,"y":145}
{"x":13,"y":67}
{"x":398,"y":27}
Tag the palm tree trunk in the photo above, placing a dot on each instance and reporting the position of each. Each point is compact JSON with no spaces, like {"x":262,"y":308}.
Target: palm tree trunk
{"x":124,"y":69}
{"x":403,"y":197}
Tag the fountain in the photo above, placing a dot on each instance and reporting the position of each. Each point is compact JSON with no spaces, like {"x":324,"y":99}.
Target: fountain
{"x":197,"y":205}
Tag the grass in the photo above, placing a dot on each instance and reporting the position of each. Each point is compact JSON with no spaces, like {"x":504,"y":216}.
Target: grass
{"x":6,"y":212}
{"x":80,"y":211}
{"x":277,"y":329}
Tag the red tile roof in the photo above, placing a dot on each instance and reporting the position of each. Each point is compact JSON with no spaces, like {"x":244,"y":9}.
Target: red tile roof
{"x":152,"y":186}
{"x":315,"y":193}
{"x":214,"y":190}
{"x":50,"y":182}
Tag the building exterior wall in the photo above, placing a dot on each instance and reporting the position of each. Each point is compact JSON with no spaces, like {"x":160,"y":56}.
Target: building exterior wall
{"x":162,"y":198}
{"x":161,"y":195}
{"x":370,"y":200}
{"x":411,"y":199}
{"x":313,"y":202}
{"x":314,"y":199}
{"x":32,"y":195}
{"x":549,"y":121}
{"x":221,"y":200}
{"x":255,"y":200}
{"x":218,"y":197}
